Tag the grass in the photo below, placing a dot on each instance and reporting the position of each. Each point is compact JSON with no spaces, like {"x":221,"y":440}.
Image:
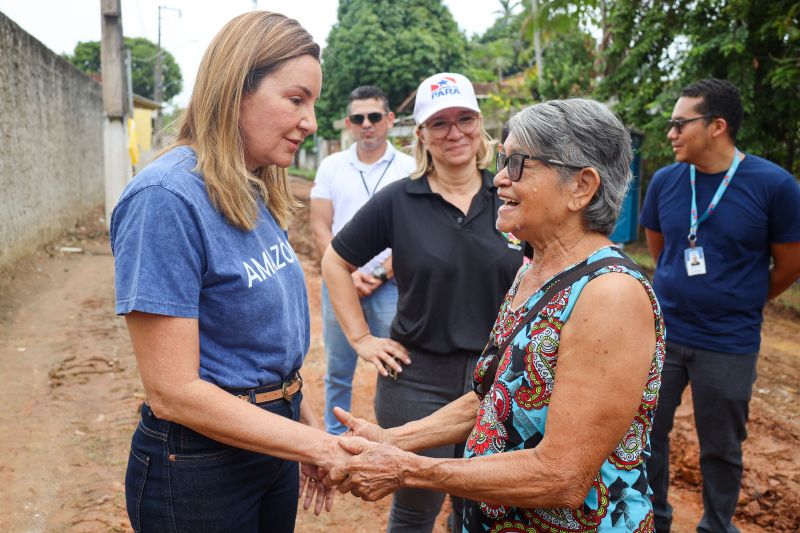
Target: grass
{"x":641,"y":255}
{"x":790,"y":298}
{"x":303,"y":173}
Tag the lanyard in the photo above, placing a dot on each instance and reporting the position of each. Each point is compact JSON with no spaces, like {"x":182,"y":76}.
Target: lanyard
{"x":364,"y":181}
{"x":694,"y":222}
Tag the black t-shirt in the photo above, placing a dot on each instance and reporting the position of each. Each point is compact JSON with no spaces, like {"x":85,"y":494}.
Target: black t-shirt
{"x":452,"y":271}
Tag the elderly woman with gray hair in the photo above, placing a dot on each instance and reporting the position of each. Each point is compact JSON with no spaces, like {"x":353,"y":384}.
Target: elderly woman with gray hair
{"x":557,"y":428}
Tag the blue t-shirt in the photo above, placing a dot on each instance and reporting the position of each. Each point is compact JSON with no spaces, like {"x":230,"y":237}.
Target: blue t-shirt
{"x":176,"y":255}
{"x":720,"y":311}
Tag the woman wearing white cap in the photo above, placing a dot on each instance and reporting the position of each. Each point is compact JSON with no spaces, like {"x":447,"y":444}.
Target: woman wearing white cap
{"x":452,"y":268}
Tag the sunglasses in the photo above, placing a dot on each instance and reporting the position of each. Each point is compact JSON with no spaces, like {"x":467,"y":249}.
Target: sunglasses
{"x":516,"y":162}
{"x":439,"y":128}
{"x":681,"y":122}
{"x":374,"y":118}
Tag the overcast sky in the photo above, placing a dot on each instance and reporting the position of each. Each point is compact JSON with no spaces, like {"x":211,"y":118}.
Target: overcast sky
{"x":61,"y":24}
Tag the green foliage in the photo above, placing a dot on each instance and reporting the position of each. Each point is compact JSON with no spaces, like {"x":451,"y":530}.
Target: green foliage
{"x":303,"y":173}
{"x":634,"y":54}
{"x":658,"y":47}
{"x":171,"y":120}
{"x":394,"y":45}
{"x":86,"y":58}
{"x":568,"y":56}
{"x":790,"y":298}
{"x":638,"y":54}
{"x":568,"y":66}
{"x":491,"y":61}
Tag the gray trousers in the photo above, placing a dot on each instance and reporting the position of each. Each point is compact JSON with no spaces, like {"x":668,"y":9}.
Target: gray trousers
{"x":429,"y":383}
{"x":722,"y":385}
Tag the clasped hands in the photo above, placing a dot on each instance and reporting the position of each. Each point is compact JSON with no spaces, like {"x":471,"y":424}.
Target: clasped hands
{"x":366,"y":464}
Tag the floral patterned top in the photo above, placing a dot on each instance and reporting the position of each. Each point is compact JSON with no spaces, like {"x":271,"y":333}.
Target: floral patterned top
{"x":513,"y":414}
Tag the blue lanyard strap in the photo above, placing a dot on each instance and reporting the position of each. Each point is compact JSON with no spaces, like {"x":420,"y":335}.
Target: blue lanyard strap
{"x":695,"y":222}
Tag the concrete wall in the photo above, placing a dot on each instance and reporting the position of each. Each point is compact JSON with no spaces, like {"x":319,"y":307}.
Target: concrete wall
{"x":51,"y":143}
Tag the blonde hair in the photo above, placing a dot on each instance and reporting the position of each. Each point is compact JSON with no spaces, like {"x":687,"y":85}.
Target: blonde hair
{"x":424,"y":161}
{"x":247,"y":49}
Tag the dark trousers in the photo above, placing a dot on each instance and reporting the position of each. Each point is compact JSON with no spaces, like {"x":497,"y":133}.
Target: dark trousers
{"x":428,"y":384}
{"x":722,"y":385}
{"x":181,"y":481}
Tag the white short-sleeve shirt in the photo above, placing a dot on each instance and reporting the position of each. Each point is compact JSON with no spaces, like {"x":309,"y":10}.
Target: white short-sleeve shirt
{"x":349,"y":184}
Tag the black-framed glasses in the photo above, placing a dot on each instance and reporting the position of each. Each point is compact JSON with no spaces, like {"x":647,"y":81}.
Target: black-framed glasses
{"x":440,"y":127}
{"x":681,"y":122}
{"x":516,"y":162}
{"x":374,"y":118}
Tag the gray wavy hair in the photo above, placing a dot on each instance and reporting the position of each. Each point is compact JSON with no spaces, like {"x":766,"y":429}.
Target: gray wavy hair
{"x":583,"y":133}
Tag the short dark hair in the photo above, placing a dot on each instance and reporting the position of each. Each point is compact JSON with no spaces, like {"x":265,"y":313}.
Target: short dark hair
{"x":368,"y":92}
{"x":721,"y":99}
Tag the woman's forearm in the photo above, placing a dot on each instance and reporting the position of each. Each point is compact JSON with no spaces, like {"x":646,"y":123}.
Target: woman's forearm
{"x":167,"y":352}
{"x":515,"y":479}
{"x":343,"y":296}
{"x":221,"y":416}
{"x":449,"y":425}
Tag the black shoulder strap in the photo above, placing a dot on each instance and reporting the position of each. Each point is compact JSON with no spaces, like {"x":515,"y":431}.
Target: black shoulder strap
{"x":563,"y":280}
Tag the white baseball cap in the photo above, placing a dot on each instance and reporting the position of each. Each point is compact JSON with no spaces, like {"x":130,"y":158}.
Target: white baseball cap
{"x":444,"y":91}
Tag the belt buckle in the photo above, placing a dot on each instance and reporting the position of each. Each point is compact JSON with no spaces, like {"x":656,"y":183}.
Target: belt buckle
{"x":286,"y":384}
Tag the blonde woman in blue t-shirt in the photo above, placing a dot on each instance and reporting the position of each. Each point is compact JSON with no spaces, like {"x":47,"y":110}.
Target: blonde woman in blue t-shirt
{"x":215,"y":300}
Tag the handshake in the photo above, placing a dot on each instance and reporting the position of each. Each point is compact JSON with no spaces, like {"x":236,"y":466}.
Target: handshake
{"x":363,"y":461}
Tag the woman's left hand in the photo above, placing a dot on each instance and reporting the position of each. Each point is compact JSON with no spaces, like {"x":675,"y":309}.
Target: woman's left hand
{"x":311,"y":477}
{"x":375,"y":470}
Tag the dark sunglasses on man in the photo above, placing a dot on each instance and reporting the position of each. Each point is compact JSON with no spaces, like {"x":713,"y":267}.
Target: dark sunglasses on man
{"x":516,"y":162}
{"x":374,"y":118}
{"x":681,"y":122}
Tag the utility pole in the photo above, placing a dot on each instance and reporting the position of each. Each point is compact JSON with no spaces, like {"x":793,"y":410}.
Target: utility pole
{"x":158,"y":77}
{"x":537,"y":43}
{"x":115,"y":104}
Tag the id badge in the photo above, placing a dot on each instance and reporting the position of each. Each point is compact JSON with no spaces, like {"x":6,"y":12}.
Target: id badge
{"x":695,"y":261}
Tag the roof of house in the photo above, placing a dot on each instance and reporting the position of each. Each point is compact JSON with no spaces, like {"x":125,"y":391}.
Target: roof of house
{"x":146,"y":103}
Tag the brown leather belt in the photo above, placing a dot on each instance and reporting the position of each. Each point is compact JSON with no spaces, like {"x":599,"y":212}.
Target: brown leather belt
{"x":288,"y":389}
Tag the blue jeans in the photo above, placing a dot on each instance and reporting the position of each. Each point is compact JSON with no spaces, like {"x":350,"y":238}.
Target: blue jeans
{"x":722,"y":385}
{"x":379,"y":310}
{"x":179,"y":480}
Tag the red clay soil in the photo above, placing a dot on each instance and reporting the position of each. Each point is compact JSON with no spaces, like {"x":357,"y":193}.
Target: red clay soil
{"x":71,"y":392}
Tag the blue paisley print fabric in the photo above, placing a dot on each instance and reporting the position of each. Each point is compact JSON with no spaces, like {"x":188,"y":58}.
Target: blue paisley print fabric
{"x":513,"y":414}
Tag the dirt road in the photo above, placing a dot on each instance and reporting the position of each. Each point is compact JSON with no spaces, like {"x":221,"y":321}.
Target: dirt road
{"x":71,"y":391}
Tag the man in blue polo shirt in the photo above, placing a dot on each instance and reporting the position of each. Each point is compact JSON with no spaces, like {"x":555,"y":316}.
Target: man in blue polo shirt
{"x":714,"y":220}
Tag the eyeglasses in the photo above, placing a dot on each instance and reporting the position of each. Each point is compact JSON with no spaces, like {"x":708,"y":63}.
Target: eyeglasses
{"x":439,"y":128}
{"x":516,"y":162}
{"x":374,"y":118}
{"x":681,"y":122}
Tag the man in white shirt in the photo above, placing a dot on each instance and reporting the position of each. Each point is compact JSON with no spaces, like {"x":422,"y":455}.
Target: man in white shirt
{"x":345,"y":181}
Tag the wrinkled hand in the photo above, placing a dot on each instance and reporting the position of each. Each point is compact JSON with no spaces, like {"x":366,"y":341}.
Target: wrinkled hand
{"x":383,"y":353}
{"x":375,"y":470}
{"x":311,"y":482}
{"x":365,"y":283}
{"x":333,"y":464}
{"x":359,"y":427}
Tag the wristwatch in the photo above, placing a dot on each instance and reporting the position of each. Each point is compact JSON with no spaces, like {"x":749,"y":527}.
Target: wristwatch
{"x":380,"y":273}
